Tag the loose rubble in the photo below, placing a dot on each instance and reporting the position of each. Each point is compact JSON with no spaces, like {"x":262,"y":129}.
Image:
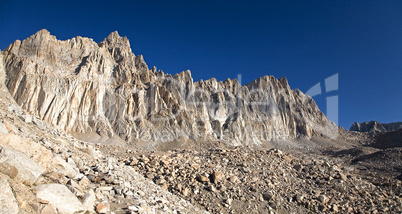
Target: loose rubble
{"x":237,"y":180}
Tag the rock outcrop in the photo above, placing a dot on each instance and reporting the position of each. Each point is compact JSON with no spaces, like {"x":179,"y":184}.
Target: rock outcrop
{"x":374,"y":126}
{"x":83,"y":87}
{"x":44,"y":170}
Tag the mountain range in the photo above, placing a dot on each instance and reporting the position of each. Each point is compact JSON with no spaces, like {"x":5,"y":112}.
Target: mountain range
{"x":87,"y":127}
{"x":103,"y":92}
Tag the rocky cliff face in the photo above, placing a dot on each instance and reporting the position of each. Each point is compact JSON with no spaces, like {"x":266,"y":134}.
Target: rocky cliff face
{"x":374,"y":126}
{"x":84,"y":87}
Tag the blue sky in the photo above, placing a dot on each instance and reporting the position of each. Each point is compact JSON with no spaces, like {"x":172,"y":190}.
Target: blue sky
{"x":306,"y":41}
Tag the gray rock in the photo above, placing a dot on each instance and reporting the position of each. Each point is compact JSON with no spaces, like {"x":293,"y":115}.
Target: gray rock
{"x":8,"y":203}
{"x":26,"y":118}
{"x":268,"y":196}
{"x":118,"y":190}
{"x":67,"y":169}
{"x":28,"y":170}
{"x":131,"y":101}
{"x":89,"y":201}
{"x":323,"y":199}
{"x":75,"y":188}
{"x":60,"y":197}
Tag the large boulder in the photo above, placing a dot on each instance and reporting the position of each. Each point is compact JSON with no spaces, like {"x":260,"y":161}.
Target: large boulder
{"x":8,"y":203}
{"x":60,"y":197}
{"x":28,"y":170}
{"x":34,"y":150}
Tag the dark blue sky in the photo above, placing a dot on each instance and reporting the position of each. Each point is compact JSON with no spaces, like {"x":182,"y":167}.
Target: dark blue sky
{"x":306,"y":41}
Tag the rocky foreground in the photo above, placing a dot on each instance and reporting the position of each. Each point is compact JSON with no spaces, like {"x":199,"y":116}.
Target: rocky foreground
{"x":236,"y":180}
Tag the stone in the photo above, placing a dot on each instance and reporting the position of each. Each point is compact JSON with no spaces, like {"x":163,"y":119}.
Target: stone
{"x":234,"y":179}
{"x":211,"y":188}
{"x":298,"y":167}
{"x":133,"y":208}
{"x":343,"y":176}
{"x":26,"y":118}
{"x":179,"y":187}
{"x":150,"y":176}
{"x":164,"y":186}
{"x":118,"y":190}
{"x":65,"y":168}
{"x":89,"y":200}
{"x":28,"y":170}
{"x":75,"y":188}
{"x":133,"y":162}
{"x":106,"y":188}
{"x":141,"y":193}
{"x":60,"y":197}
{"x":335,"y":208}
{"x":8,"y":203}
{"x":287,"y":158}
{"x":202,"y":178}
{"x":102,"y":207}
{"x":217,"y":177}
{"x":160,"y":181}
{"x":299,"y":198}
{"x":323,"y":199}
{"x":99,"y":195}
{"x":268,"y":196}
{"x":49,"y":209}
{"x":109,"y":179}
{"x":185,"y":192}
{"x":84,"y":182}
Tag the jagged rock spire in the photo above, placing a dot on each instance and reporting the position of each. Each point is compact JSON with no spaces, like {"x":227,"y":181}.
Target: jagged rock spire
{"x":115,"y":40}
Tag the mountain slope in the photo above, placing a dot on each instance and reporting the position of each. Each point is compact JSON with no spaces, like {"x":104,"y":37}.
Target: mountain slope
{"x":105,"y":90}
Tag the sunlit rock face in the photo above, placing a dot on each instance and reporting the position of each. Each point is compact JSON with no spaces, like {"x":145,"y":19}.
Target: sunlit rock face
{"x":86,"y":87}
